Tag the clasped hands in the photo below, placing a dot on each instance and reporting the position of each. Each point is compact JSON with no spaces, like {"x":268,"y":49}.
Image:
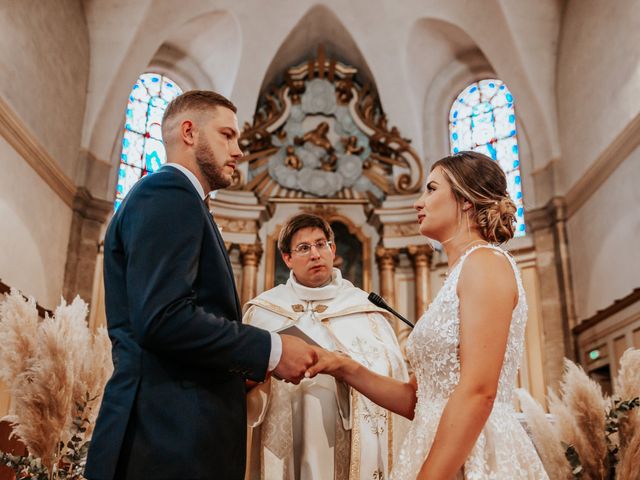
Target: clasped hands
{"x":300,"y":360}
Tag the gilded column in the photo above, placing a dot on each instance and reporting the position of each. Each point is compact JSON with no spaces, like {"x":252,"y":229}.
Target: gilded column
{"x":421,"y":257}
{"x":387,"y":260}
{"x":250,"y":255}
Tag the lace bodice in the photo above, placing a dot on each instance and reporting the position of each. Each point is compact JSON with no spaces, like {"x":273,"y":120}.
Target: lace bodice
{"x":503,"y":450}
{"x":432,"y":348}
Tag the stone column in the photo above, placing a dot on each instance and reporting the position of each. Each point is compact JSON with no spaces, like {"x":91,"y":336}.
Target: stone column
{"x":548,"y":228}
{"x":421,"y":257}
{"x":89,"y":214}
{"x":250,"y":255}
{"x":97,"y":313}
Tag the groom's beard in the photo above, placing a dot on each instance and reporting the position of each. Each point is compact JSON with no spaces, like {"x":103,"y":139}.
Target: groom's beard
{"x":212,"y":172}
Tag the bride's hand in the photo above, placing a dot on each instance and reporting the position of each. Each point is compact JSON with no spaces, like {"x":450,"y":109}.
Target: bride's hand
{"x":331,"y":363}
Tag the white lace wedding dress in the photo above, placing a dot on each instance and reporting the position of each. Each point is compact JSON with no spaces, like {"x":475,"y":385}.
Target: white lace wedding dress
{"x":503,"y":450}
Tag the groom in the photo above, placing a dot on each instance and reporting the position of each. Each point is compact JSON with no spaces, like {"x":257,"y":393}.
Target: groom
{"x":175,"y":405}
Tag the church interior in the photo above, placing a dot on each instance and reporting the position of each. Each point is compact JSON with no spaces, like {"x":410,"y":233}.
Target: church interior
{"x":343,"y":108}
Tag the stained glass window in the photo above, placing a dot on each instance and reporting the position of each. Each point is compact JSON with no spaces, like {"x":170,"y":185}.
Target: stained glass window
{"x":482,"y":119}
{"x":142,"y":148}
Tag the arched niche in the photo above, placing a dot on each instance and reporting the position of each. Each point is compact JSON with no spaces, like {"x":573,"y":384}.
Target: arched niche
{"x":319,"y":26}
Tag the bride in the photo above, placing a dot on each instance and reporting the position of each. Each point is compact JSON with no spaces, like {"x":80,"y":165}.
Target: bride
{"x":466,"y":349}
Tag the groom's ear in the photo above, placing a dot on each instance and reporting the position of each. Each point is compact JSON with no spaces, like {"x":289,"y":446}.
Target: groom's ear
{"x":187,"y":132}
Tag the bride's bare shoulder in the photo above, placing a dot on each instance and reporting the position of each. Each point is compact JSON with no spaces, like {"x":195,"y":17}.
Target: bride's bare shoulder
{"x":487,"y":268}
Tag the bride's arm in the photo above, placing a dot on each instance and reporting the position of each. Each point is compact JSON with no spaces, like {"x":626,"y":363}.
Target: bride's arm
{"x":389,"y":393}
{"x":488,"y":294}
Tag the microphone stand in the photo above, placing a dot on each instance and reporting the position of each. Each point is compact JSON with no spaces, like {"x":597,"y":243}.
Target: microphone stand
{"x":378,"y":301}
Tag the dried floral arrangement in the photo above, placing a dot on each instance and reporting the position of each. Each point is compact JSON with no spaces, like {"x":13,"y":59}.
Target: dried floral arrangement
{"x":55,"y":369}
{"x":592,"y":436}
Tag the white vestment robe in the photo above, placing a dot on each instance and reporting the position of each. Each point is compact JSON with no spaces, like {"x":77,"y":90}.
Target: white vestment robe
{"x":322,"y":429}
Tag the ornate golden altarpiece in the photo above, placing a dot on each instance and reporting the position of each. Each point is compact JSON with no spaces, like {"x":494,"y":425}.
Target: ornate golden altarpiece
{"x":320,"y":142}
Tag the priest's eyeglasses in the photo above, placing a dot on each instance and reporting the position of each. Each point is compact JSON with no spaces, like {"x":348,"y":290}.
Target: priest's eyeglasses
{"x":304,"y":249}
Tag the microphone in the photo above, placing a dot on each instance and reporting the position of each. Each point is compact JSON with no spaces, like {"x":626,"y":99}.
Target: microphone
{"x":378,"y":301}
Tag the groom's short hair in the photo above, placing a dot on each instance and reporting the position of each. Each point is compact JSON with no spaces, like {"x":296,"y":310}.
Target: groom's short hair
{"x":199,"y":100}
{"x":297,"y":223}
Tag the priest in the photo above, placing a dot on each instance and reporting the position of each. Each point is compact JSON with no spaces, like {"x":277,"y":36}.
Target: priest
{"x":321,"y":429}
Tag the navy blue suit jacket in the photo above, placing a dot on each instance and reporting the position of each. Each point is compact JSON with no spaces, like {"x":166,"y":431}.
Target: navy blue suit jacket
{"x":175,"y":405}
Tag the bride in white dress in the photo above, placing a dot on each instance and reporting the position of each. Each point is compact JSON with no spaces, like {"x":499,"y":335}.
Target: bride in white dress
{"x":466,"y":349}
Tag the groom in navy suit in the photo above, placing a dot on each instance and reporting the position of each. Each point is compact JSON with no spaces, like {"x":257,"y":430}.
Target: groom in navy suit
{"x":175,"y":405}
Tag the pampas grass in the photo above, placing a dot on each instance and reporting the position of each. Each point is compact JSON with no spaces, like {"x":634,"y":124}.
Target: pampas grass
{"x":546,"y":439}
{"x":56,"y":370}
{"x":585,"y":400}
{"x":628,"y":387}
{"x":18,"y":331}
{"x":592,"y":437}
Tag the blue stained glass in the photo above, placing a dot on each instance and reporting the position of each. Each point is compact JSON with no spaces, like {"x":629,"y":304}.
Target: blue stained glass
{"x":142,"y":148}
{"x":154,"y":154}
{"x":153,"y":161}
{"x":484,"y":120}
{"x":492,"y":151}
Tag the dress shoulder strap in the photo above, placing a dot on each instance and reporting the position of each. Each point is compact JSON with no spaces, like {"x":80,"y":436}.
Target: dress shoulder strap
{"x":464,"y":256}
{"x":458,"y":268}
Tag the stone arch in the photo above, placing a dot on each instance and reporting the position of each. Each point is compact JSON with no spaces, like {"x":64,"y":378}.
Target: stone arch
{"x":171,"y":47}
{"x":459,"y":54}
{"x":455,"y":62}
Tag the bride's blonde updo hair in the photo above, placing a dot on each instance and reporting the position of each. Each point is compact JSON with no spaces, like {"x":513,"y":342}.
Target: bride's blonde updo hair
{"x":476,"y":178}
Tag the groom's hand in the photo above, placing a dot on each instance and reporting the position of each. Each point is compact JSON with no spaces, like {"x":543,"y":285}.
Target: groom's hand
{"x":297,"y":357}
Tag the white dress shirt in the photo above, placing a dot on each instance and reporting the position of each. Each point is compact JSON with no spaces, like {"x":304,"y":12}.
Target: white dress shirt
{"x":276,"y":341}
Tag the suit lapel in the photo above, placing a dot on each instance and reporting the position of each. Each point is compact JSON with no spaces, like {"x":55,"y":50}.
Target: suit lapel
{"x":216,"y":234}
